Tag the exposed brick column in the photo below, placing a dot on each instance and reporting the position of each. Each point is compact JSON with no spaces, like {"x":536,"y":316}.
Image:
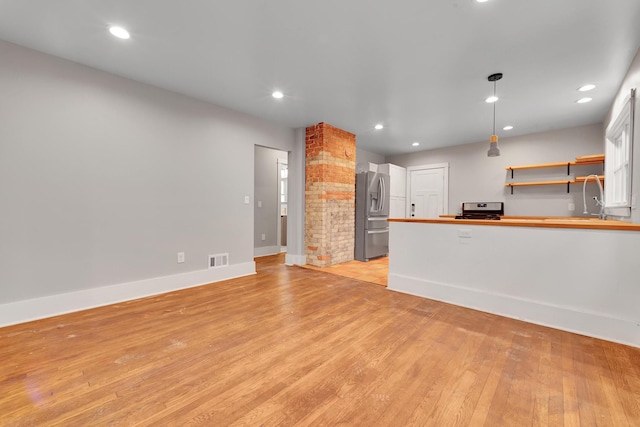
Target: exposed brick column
{"x":330,"y":195}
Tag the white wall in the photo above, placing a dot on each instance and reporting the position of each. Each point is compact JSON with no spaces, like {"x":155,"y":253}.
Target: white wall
{"x":475,"y":177}
{"x":296,"y":201}
{"x":631,"y":81}
{"x":364,"y":157}
{"x":103,"y":180}
{"x":267,"y":193}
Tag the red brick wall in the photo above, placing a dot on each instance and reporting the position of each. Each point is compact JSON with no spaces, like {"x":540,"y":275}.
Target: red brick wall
{"x":330,"y":195}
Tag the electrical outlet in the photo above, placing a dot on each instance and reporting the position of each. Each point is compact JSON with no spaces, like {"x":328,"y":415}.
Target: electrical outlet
{"x":572,"y":206}
{"x":246,"y":200}
{"x":264,"y":236}
{"x":466,"y":233}
{"x":259,"y":203}
{"x":180,"y":257}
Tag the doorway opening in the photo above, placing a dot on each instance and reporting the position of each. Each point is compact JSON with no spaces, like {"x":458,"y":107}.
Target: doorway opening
{"x":283,"y":189}
{"x":270,"y":201}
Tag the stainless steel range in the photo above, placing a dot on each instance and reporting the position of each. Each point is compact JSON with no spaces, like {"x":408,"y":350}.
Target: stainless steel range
{"x":482,"y":210}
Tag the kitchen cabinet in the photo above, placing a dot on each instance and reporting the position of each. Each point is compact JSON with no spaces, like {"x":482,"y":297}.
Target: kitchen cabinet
{"x":398,"y":189}
{"x":398,"y":179}
{"x":397,"y":207}
{"x":595,"y":159}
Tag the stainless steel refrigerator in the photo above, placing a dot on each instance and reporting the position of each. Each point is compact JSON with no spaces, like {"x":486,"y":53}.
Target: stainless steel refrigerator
{"x":372,"y":212}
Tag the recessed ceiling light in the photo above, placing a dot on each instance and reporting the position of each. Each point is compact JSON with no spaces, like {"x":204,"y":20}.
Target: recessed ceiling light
{"x":507,"y":127}
{"x":119,"y":32}
{"x":587,"y":88}
{"x":415,"y":144}
{"x":277,"y":94}
{"x":491,"y":99}
{"x":379,"y":126}
{"x":481,"y":1}
{"x":584,"y":100}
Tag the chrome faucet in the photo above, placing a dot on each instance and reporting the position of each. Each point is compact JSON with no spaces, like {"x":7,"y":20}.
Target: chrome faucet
{"x":599,"y":202}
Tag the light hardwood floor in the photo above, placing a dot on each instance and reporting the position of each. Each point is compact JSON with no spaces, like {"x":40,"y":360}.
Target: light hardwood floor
{"x":292,"y":346}
{"x":372,"y":271}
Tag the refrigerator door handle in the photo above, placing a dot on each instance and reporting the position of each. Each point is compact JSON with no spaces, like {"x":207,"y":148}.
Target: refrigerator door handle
{"x":381,"y":189}
{"x":384,"y":194}
{"x":379,"y":194}
{"x":386,"y":230}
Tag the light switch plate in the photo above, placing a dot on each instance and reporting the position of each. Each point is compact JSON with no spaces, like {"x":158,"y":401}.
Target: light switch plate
{"x":246,"y":200}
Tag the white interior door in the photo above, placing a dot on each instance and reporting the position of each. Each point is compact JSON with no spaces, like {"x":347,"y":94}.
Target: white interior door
{"x":428,"y":191}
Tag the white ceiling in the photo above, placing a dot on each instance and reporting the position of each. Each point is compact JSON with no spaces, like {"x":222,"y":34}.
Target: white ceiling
{"x":419,"y":67}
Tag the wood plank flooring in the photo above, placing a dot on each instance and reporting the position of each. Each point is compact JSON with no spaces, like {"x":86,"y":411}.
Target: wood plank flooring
{"x":373,"y":271}
{"x":292,"y":346}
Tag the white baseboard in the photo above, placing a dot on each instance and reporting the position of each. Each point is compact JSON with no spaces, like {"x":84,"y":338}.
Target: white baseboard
{"x":53,"y":305}
{"x":596,"y":325}
{"x":291,"y":259}
{"x":266,"y":250}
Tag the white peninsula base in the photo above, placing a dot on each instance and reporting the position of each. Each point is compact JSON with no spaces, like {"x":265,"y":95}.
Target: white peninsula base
{"x":580,"y":280}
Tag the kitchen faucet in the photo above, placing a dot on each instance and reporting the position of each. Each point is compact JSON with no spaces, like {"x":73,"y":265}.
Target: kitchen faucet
{"x":599,"y":202}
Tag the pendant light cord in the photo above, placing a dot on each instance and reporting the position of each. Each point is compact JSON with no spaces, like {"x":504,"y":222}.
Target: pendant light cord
{"x":494,"y":108}
{"x":494,"y":151}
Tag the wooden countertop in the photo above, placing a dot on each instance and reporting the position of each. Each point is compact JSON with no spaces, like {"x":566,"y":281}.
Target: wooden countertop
{"x":531,"y":221}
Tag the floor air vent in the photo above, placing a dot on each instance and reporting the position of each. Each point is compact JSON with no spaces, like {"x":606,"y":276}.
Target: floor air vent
{"x":218,"y":260}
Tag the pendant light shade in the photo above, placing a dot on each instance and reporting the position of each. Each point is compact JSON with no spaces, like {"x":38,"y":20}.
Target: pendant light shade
{"x":494,"y":150}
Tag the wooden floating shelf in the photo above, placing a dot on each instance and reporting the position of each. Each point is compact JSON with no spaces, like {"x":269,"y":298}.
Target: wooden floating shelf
{"x":580,"y":179}
{"x":556,"y":165}
{"x":526,"y":184}
{"x":577,"y":180}
{"x":592,"y":159}
{"x":567,"y":182}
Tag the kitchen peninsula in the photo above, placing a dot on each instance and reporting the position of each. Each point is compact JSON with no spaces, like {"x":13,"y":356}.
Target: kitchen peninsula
{"x":575,"y":274}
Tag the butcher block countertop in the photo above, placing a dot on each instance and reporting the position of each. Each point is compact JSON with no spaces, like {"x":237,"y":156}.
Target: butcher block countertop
{"x":531,"y":221}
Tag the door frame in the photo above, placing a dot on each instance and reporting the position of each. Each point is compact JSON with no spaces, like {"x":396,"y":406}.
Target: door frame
{"x":281,"y":163}
{"x":445,"y":189}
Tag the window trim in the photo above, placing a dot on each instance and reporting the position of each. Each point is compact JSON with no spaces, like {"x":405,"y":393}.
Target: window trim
{"x":621,"y":127}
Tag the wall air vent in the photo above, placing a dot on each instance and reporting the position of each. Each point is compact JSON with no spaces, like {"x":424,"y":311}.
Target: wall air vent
{"x":219,"y":260}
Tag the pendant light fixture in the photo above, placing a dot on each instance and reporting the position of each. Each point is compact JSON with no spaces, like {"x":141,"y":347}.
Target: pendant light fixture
{"x":494,"y":150}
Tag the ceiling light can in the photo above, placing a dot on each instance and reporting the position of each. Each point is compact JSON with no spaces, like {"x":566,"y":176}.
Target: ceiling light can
{"x":119,"y":32}
{"x":586,"y":88}
{"x":584,"y":100}
{"x":379,"y":126}
{"x":277,"y":94}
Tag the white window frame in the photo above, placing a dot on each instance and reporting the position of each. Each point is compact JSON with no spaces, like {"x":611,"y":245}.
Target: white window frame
{"x":618,"y":163}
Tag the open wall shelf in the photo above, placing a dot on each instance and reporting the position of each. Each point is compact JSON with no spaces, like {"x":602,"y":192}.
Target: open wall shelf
{"x":595,"y":159}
